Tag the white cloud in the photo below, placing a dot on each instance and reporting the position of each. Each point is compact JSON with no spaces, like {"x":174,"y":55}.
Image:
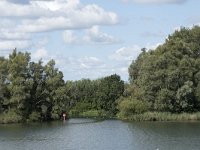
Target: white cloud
{"x":75,"y":63}
{"x":5,"y":23}
{"x":41,"y":16}
{"x":131,"y":53}
{"x":82,"y":67}
{"x":92,"y":36}
{"x":11,"y":44}
{"x":90,"y":15}
{"x":10,"y":35}
{"x":8,"y":32}
{"x":90,"y":66}
{"x":76,"y":67}
{"x":90,"y":63}
{"x":56,"y":5}
{"x":123,"y":57}
{"x":40,"y":54}
{"x":69,"y":37}
{"x":8,"y":9}
{"x":24,"y":1}
{"x":35,"y":16}
{"x":126,"y":53}
{"x":157,"y":1}
{"x":25,"y":17}
{"x":85,"y":67}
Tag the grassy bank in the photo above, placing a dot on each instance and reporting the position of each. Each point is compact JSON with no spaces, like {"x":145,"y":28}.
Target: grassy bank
{"x":147,"y":116}
{"x":162,"y":116}
{"x":10,"y":117}
{"x":90,"y":114}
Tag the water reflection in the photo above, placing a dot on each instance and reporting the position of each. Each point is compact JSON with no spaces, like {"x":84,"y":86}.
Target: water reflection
{"x":89,"y":134}
{"x":167,"y":135}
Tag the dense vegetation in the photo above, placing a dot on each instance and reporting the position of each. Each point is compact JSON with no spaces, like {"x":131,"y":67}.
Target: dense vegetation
{"x":166,"y":79}
{"x":95,"y":98}
{"x":31,"y":91}
{"x":164,"y":85}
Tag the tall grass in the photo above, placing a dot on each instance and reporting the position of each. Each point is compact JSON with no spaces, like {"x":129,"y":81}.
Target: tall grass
{"x":163,"y":116}
{"x":90,"y":114}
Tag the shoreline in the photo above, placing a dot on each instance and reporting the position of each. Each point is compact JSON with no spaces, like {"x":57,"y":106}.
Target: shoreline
{"x":145,"y":117}
{"x":163,"y":116}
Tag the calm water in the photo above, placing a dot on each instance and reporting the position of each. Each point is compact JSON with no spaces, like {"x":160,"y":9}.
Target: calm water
{"x":87,"y":134}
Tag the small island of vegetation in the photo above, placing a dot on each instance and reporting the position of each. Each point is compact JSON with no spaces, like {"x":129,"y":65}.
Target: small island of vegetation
{"x":164,"y":85}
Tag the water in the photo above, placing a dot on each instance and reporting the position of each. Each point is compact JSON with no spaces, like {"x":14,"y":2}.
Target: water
{"x":88,"y":134}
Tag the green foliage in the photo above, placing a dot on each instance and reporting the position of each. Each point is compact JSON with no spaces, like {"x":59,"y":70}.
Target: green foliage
{"x":185,"y":96}
{"x":101,"y":95}
{"x":168,"y":78}
{"x":3,"y":84}
{"x":129,"y":106}
{"x":109,"y":90}
{"x":18,"y":83}
{"x":164,"y":116}
{"x":82,"y":106}
{"x":34,"y":116}
{"x":90,"y":114}
{"x":74,"y":113}
{"x":10,"y":116}
{"x":31,"y":91}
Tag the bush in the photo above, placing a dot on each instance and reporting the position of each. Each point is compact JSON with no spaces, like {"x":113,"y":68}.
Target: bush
{"x":10,"y":117}
{"x":35,"y":116}
{"x":73,"y":113}
{"x":130,"y":106}
{"x":82,"y":106}
{"x":55,"y":116}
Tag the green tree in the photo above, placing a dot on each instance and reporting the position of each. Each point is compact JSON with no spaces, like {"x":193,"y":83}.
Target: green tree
{"x":168,"y":77}
{"x":4,"y":93}
{"x":19,"y":85}
{"x":54,"y":103}
{"x":38,"y":92}
{"x":129,"y":106}
{"x":109,"y":90}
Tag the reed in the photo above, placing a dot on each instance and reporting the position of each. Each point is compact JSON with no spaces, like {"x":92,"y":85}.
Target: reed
{"x":163,"y":116}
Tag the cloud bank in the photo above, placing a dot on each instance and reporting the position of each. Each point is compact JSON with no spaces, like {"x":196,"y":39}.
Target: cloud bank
{"x":91,"y":36}
{"x":20,"y":19}
{"x":157,"y":1}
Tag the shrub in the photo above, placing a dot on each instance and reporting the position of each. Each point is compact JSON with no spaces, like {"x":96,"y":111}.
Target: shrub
{"x":10,"y":117}
{"x":130,"y":106}
{"x":34,"y":116}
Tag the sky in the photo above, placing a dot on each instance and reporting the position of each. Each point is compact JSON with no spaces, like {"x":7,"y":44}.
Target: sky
{"x":91,"y":38}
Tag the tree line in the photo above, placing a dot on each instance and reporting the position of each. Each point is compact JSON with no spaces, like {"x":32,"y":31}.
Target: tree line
{"x":166,"y":79}
{"x":31,"y":91}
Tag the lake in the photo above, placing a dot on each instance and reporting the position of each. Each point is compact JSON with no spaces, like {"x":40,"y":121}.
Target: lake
{"x":89,"y":134}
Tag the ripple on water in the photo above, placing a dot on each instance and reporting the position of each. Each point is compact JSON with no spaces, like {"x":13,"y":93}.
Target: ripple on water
{"x":89,"y":134}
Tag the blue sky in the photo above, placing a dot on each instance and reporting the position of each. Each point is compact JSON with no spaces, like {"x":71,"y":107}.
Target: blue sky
{"x":91,"y":38}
